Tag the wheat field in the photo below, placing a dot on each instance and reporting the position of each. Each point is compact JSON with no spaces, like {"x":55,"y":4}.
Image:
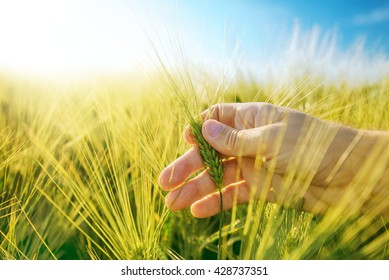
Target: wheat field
{"x":79,"y":171}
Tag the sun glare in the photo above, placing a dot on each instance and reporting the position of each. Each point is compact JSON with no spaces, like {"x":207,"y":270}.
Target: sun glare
{"x":68,"y":37}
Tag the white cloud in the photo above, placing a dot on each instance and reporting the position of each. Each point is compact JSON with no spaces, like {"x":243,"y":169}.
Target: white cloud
{"x":375,"y":16}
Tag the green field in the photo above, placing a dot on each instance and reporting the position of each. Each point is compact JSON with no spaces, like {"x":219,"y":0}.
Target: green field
{"x":79,"y":167}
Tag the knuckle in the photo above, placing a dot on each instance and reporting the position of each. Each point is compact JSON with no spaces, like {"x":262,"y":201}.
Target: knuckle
{"x":219,"y":111}
{"x":266,"y":108}
{"x":232,"y":140}
{"x":264,"y":105}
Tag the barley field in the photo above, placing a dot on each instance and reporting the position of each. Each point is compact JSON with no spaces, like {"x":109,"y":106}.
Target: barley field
{"x":79,"y":170}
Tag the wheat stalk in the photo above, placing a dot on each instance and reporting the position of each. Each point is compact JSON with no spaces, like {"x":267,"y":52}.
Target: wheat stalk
{"x":213,"y":163}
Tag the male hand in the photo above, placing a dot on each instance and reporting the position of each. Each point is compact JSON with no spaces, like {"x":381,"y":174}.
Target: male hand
{"x":271,"y":153}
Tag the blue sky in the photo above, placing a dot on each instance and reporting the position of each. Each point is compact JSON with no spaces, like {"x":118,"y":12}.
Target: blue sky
{"x":350,"y":20}
{"x":77,"y":36}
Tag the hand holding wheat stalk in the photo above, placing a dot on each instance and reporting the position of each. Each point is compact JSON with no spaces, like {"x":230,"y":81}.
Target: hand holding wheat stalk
{"x":281,"y":155}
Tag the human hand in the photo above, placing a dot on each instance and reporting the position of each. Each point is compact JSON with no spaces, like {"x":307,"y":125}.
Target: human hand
{"x":271,"y":153}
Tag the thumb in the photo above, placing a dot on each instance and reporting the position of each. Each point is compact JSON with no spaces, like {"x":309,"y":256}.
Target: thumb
{"x":233,"y":142}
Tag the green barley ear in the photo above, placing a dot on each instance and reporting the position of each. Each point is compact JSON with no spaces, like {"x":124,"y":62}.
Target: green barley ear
{"x":209,"y":155}
{"x":213,"y":163}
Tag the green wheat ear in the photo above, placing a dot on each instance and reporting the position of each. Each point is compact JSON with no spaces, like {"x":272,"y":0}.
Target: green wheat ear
{"x":213,"y":163}
{"x":209,"y":155}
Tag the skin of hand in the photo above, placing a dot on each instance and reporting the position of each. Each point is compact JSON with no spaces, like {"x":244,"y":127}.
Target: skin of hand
{"x":268,"y":151}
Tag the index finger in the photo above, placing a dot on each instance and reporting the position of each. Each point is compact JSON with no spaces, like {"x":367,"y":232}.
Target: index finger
{"x":240,"y":116}
{"x":245,"y":115}
{"x":180,"y":170}
{"x":222,"y":112}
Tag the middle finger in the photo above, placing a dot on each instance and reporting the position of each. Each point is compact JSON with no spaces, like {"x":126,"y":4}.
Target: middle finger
{"x":201,"y":186}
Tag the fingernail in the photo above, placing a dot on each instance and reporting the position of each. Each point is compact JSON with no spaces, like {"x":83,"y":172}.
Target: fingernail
{"x":213,"y":128}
